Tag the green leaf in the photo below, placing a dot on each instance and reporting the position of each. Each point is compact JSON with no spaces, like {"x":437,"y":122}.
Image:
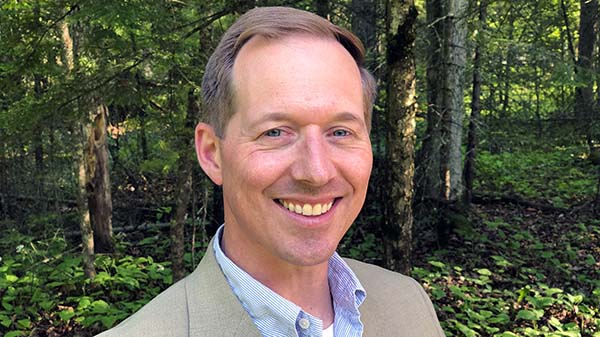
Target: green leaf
{"x":506,"y":334}
{"x":553,"y":321}
{"x":575,"y":299}
{"x":456,"y":291}
{"x":541,"y":302}
{"x":15,"y":333}
{"x":553,"y":291}
{"x":5,"y":320}
{"x":66,"y":315}
{"x":89,"y":320}
{"x":100,"y":306}
{"x":486,"y":313}
{"x":109,"y":321}
{"x":501,"y":318}
{"x":484,"y":271}
{"x":24,"y":323}
{"x":437,"y":264}
{"x":530,"y":315}
{"x":46,"y":305}
{"x":84,"y":302}
{"x":501,"y":261}
{"x":532,"y":332}
{"x":590,"y":260}
{"x":11,"y":278}
{"x":467,"y":332}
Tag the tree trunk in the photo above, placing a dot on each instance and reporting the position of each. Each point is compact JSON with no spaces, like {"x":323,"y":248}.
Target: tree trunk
{"x":506,"y":72}
{"x":95,"y":180}
{"x":454,"y":101}
{"x":442,"y":175}
{"x":38,"y":141}
{"x":98,"y":178}
{"x":323,"y":8}
{"x":87,"y":239}
{"x":401,"y":113}
{"x":38,"y":144}
{"x":85,"y":225}
{"x":440,"y":158}
{"x":364,"y":25}
{"x":3,"y":180}
{"x":584,"y":94}
{"x":538,"y":102}
{"x":471,"y":155}
{"x":429,"y":155}
{"x":183,"y":188}
{"x":143,"y":140}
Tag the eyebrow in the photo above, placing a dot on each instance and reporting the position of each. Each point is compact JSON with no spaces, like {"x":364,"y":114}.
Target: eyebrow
{"x":346,"y":116}
{"x":281,"y":116}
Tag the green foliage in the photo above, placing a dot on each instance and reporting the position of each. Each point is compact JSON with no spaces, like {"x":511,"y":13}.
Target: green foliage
{"x":558,"y":175}
{"x":42,"y":285}
{"x":510,"y":275}
{"x":361,"y":245}
{"x":485,"y":285}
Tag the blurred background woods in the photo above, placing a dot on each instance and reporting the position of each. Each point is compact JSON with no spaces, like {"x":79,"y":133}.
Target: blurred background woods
{"x":486,"y":139}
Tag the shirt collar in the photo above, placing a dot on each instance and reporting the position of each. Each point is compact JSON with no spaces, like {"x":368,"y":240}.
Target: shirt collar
{"x":271,"y":311}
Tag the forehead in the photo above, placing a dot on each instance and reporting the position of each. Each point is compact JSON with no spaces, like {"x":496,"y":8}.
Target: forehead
{"x":296,"y":68}
{"x":295,"y":44}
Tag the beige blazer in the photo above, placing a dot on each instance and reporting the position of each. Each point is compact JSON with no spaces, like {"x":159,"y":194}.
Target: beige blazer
{"x":202,"y":304}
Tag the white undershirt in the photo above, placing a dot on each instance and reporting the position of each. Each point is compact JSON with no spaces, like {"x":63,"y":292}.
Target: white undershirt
{"x":328,"y":332}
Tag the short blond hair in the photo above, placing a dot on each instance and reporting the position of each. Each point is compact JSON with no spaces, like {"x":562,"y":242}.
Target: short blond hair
{"x":272,"y":23}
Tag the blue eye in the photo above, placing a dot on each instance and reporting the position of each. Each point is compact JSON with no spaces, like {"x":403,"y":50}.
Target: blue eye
{"x":340,"y":133}
{"x":273,"y":133}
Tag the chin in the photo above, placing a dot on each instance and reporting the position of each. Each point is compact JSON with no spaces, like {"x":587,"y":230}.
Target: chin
{"x":310,"y":255}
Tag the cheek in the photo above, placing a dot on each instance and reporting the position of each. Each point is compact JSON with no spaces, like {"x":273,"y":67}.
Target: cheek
{"x":358,"y":170}
{"x":256,"y":171}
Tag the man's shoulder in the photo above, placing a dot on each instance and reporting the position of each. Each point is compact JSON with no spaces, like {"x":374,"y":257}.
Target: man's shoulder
{"x":395,"y":304}
{"x":165,"y":315}
{"x":204,"y":295}
{"x":388,"y":286}
{"x":370,"y":274}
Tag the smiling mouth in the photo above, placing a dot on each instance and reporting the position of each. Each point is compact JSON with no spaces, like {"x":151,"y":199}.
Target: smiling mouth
{"x":307,"y":209}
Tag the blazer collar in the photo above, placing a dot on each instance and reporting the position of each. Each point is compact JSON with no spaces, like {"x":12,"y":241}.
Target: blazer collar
{"x":211,"y":303}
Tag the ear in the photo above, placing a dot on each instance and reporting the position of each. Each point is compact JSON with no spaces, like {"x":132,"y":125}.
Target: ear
{"x":208,"y":153}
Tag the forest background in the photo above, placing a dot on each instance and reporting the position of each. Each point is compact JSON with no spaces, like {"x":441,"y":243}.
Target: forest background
{"x":486,"y":140}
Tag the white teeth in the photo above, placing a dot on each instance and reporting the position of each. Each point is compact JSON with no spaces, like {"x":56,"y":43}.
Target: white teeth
{"x":307,"y":209}
{"x":316,"y":210}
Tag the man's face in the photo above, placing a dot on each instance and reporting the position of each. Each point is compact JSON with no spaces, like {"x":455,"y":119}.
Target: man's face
{"x":297,"y":140}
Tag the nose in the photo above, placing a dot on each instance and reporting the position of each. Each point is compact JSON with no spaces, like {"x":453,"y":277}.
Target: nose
{"x":313,"y":164}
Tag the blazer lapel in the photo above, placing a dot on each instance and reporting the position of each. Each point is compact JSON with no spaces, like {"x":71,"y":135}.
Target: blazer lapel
{"x":371,"y":321}
{"x":213,"y":308}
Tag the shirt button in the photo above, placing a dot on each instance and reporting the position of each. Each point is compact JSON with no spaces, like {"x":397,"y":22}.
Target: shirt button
{"x":304,"y":323}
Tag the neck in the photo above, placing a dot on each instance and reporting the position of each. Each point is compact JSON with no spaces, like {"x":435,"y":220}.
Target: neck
{"x":305,"y":286}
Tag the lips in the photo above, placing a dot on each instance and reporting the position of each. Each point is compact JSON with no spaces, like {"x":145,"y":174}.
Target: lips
{"x":307,"y":209}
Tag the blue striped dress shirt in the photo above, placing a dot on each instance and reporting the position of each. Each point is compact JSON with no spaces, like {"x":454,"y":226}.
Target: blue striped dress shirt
{"x":274,"y":316}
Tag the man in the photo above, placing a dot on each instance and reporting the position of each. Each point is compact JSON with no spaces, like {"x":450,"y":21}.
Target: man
{"x":289,"y":110}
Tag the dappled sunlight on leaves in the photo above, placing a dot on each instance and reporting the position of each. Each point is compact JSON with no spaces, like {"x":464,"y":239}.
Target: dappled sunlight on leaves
{"x":518,"y":272}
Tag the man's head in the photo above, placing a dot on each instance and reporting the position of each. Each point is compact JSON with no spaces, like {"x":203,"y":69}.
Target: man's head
{"x":295,"y":158}
{"x":218,"y":89}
